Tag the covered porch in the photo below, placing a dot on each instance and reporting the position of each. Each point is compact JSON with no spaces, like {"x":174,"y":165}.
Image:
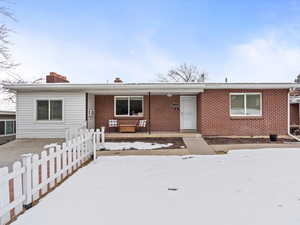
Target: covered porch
{"x":167,"y":113}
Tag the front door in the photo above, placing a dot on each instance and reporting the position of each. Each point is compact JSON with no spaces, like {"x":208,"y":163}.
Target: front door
{"x":188,"y":112}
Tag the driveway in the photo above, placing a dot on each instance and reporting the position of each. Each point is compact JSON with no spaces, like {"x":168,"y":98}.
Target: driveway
{"x":13,"y":150}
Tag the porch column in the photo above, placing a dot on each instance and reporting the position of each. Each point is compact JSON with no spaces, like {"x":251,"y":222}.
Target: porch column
{"x":149,"y":110}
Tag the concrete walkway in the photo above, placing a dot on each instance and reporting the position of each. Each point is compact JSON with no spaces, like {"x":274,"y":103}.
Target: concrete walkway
{"x":198,"y":146}
{"x":229,"y":147}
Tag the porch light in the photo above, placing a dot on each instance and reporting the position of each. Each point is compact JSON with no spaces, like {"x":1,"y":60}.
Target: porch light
{"x":169,"y":95}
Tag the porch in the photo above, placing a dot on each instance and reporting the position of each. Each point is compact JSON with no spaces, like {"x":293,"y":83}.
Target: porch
{"x":166,"y":113}
{"x":153,"y":134}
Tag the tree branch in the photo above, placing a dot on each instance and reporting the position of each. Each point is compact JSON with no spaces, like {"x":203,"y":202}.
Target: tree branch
{"x":183,"y":73}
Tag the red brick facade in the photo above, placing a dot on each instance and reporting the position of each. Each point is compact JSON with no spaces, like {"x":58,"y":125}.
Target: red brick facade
{"x":214,"y":118}
{"x":294,"y":113}
{"x":213,"y":113}
{"x":163,"y":116}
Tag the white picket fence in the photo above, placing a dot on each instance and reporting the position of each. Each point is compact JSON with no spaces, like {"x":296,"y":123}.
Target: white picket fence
{"x":12,"y":195}
{"x":74,"y":132}
{"x":100,"y":136}
{"x":38,"y":174}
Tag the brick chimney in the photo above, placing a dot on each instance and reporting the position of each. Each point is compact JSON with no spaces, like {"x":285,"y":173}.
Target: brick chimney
{"x":118,"y":80}
{"x":56,"y":78}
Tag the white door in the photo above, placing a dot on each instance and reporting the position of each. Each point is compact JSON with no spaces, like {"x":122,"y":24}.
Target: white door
{"x":188,"y":112}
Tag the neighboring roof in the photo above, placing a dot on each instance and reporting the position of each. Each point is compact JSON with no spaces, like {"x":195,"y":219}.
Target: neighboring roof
{"x":7,"y":112}
{"x":295,"y":92}
{"x":149,"y":86}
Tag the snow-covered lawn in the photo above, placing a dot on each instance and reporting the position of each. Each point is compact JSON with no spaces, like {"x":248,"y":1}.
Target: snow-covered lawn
{"x":255,"y":187}
{"x":138,"y":145}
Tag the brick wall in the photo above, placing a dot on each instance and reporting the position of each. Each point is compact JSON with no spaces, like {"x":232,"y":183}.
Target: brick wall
{"x":294,"y":113}
{"x":163,"y":116}
{"x":214,"y":117}
{"x":213,"y":113}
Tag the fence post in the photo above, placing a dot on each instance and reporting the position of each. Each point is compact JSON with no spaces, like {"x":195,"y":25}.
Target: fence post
{"x":27,"y":178}
{"x":102,"y":135}
{"x":94,"y":145}
{"x":97,"y":133}
{"x":66,"y":135}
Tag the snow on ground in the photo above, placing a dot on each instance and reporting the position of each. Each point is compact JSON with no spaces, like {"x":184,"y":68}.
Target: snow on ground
{"x":133,"y":145}
{"x":253,"y":187}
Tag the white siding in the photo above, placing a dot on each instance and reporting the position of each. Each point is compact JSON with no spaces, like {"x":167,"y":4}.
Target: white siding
{"x":28,"y":127}
{"x":91,"y":111}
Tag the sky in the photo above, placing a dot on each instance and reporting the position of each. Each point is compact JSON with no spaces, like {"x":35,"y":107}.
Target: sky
{"x":96,"y":41}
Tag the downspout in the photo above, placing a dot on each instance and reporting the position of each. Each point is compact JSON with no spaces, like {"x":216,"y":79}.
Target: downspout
{"x":86,"y":110}
{"x":289,"y":118}
{"x":149,"y":113}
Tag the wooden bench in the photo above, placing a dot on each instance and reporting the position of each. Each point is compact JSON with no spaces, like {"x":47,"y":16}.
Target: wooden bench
{"x":127,"y":126}
{"x":123,"y":128}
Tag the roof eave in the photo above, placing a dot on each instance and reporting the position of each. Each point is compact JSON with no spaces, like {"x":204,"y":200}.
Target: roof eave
{"x":150,"y":86}
{"x":7,"y":113}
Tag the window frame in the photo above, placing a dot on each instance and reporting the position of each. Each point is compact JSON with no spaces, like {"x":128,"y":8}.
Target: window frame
{"x":5,"y":132}
{"x":128,"y":99}
{"x":245,"y":104}
{"x":49,"y":109}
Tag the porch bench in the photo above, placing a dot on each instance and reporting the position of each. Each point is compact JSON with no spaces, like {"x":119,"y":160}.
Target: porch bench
{"x":127,"y":126}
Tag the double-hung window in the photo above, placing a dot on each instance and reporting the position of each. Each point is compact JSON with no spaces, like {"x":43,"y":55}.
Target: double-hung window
{"x":245,"y":104}
{"x":129,"y":105}
{"x":49,"y":110}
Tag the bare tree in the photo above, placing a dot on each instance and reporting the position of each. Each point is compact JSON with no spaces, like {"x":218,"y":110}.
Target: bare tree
{"x":183,"y":73}
{"x":15,"y":79}
{"x":6,"y":61}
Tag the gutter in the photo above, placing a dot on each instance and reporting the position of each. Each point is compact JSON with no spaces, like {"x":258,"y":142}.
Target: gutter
{"x":10,"y":113}
{"x":148,"y":86}
{"x":289,"y":117}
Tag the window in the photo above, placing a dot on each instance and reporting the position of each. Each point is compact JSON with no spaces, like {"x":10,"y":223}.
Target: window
{"x":49,"y":110}
{"x":136,"y":106}
{"x":129,"y":106}
{"x":2,"y":127}
{"x":122,"y":106}
{"x":43,"y":110}
{"x":55,"y":110}
{"x":7,"y":127}
{"x":245,"y":104}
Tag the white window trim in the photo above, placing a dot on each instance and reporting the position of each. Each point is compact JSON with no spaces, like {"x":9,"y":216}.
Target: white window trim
{"x":5,"y":133}
{"x":245,"y":104}
{"x":128,"y":99}
{"x":49,"y":121}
